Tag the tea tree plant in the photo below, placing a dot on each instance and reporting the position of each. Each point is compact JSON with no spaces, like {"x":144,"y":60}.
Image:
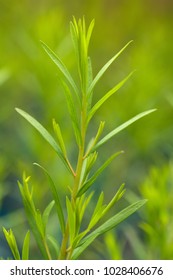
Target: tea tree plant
{"x":75,"y":236}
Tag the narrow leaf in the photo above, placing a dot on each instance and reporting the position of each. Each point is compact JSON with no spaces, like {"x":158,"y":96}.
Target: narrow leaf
{"x":99,"y":204}
{"x":46,"y":213}
{"x":39,"y":223}
{"x":86,"y":167}
{"x":108,"y":225}
{"x":95,"y":219}
{"x":86,"y":185}
{"x":90,"y":79}
{"x":71,"y":220}
{"x":121,"y":216}
{"x":83,"y":204}
{"x":116,"y":197}
{"x":34,"y":217}
{"x":89,"y":32}
{"x":97,"y":214}
{"x":56,"y":198}
{"x":46,"y":135}
{"x":58,"y":132}
{"x":74,"y":36}
{"x":25,"y":249}
{"x":105,"y":67}
{"x":94,"y":140}
{"x":107,"y":95}
{"x":90,"y":71}
{"x":121,"y":127}
{"x":54,"y":243}
{"x":91,"y":159}
{"x":11,"y":240}
{"x":79,"y":250}
{"x":61,"y":67}
{"x":78,"y":238}
{"x":73,"y":113}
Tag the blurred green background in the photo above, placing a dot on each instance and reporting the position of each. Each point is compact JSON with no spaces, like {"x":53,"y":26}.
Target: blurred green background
{"x":28,"y":80}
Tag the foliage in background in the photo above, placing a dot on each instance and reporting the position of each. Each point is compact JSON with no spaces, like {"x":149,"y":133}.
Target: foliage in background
{"x":157,"y":241}
{"x":76,"y":235}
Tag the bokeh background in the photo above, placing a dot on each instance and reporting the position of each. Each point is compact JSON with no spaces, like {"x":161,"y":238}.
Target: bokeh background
{"x":28,"y":80}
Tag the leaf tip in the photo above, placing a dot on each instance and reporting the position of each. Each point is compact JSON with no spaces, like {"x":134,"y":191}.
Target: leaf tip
{"x":42,"y":43}
{"x":17,"y":109}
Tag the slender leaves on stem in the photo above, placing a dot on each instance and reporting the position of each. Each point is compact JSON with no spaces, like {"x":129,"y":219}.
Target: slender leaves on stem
{"x":71,"y":219}
{"x":12,"y":243}
{"x":47,"y":136}
{"x":93,"y":178}
{"x":25,"y":249}
{"x":121,"y":127}
{"x":106,"y":96}
{"x":55,"y":197}
{"x":9,"y":235}
{"x":108,"y":225}
{"x":76,"y":234}
{"x":62,"y":68}
{"x":73,"y":113}
{"x":105,"y":67}
{"x":35,"y":219}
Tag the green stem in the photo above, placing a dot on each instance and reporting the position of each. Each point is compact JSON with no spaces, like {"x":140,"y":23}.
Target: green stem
{"x":63,"y":251}
{"x":81,"y":148}
{"x":47,"y":249}
{"x":62,"y":254}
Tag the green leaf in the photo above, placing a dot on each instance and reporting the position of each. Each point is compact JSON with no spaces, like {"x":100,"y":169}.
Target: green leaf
{"x":56,"y":198}
{"x":54,"y":243}
{"x":74,"y":36}
{"x":71,"y":220}
{"x":99,"y":204}
{"x":121,"y":216}
{"x":73,"y":113}
{"x":46,"y":213}
{"x":90,"y":181}
{"x":46,"y":135}
{"x":78,"y":238}
{"x":33,"y":216}
{"x":39,"y":223}
{"x":61,"y":67}
{"x":91,"y":159}
{"x":58,"y":132}
{"x":97,"y":214}
{"x":116,"y":197}
{"x":94,"y":140}
{"x":25,"y":249}
{"x":86,"y":167}
{"x":105,"y":67}
{"x":83,"y":203}
{"x":95,"y":219}
{"x":108,"y":225}
{"x":81,"y":38}
{"x":90,"y":79}
{"x":106,"y":96}
{"x":89,"y":32}
{"x":11,"y":240}
{"x":121,"y":127}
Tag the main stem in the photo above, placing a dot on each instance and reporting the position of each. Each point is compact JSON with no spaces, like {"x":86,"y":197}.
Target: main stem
{"x":81,"y":149}
{"x":63,"y":251}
